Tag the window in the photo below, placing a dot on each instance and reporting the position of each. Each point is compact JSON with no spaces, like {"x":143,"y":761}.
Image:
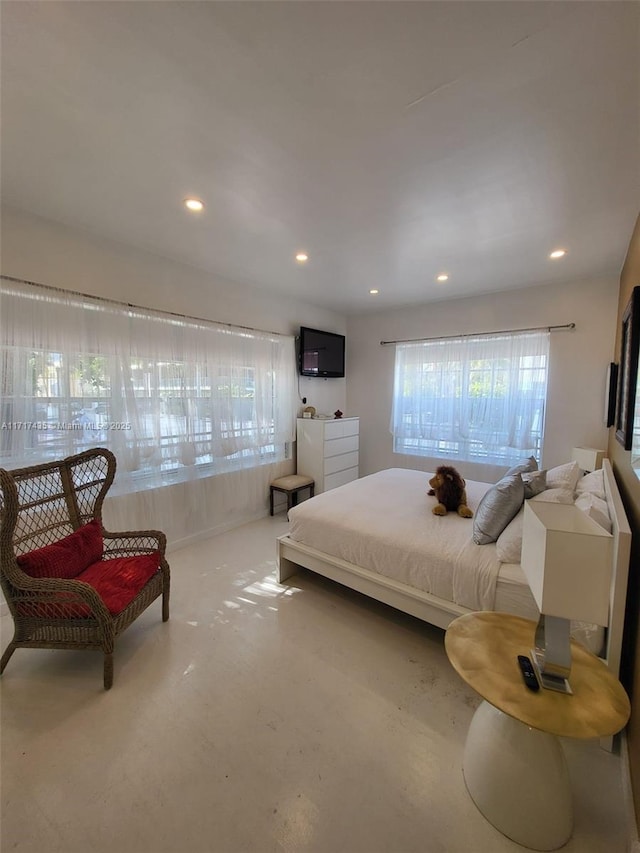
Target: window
{"x":171,"y":397}
{"x":479,"y":398}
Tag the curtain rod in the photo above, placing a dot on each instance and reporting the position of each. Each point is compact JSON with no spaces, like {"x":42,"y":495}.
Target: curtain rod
{"x":478,"y":334}
{"x":140,"y":307}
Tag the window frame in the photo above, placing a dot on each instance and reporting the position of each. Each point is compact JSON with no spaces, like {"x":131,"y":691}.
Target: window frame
{"x":514,"y":363}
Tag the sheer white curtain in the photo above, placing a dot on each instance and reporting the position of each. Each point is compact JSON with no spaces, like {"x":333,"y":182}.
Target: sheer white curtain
{"x":474,"y":398}
{"x":175,"y":399}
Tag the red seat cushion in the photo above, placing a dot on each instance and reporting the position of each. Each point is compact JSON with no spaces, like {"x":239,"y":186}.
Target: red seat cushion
{"x":119,"y":580}
{"x":116,"y":581}
{"x":66,"y":558}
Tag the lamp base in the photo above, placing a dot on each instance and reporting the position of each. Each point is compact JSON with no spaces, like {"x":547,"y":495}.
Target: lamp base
{"x":549,"y":682}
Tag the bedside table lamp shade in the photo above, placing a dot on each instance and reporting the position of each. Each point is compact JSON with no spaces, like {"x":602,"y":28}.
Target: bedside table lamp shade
{"x":588,"y":458}
{"x":567,"y":560}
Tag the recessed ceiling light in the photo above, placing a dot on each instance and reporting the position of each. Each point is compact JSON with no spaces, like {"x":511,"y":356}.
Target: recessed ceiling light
{"x":194,"y":204}
{"x":375,"y":290}
{"x":442,"y":277}
{"x":302,"y":257}
{"x":558,"y":253}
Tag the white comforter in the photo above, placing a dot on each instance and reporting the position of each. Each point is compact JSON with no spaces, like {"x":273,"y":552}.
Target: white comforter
{"x":383,"y":522}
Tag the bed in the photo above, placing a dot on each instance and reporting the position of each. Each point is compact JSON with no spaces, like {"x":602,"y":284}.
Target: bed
{"x":377,"y":535}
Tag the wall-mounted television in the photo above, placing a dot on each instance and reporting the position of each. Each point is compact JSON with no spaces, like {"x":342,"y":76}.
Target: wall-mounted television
{"x":321,"y":353}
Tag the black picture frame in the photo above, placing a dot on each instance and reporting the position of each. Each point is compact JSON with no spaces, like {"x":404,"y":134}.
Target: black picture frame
{"x":628,"y":370}
{"x":610,"y":394}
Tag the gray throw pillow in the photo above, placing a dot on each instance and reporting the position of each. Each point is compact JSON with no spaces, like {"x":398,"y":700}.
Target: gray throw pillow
{"x":497,"y":507}
{"x":534,"y":483}
{"x":523,"y":467}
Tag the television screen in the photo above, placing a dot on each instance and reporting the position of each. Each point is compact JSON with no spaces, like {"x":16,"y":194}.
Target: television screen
{"x":321,"y":353}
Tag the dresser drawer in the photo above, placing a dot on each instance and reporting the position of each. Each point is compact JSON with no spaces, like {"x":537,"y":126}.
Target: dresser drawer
{"x":339,"y":428}
{"x":340,"y":445}
{"x":340,"y":478}
{"x":339,"y":463}
{"x":351,"y":427}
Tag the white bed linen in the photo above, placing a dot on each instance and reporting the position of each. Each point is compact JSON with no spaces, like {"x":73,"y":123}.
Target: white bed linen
{"x":383,"y":522}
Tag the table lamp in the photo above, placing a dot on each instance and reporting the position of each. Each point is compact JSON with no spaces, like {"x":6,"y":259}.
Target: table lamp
{"x":568,"y":561}
{"x":588,"y":458}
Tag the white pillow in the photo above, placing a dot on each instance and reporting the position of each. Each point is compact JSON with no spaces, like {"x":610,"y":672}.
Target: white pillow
{"x":563,"y":476}
{"x":595,"y":508}
{"x":555,"y":496}
{"x":509,"y":543}
{"x":592,"y":483}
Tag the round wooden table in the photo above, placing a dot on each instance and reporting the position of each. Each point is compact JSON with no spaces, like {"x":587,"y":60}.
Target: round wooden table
{"x":514,"y":767}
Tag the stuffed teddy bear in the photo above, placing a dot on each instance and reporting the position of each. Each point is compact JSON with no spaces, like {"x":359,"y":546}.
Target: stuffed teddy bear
{"x":449,"y":488}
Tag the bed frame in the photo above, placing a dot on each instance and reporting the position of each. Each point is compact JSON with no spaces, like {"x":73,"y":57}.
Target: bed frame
{"x":437,"y":611}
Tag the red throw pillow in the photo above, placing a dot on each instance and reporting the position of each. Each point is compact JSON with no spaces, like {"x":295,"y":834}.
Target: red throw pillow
{"x":66,"y":558}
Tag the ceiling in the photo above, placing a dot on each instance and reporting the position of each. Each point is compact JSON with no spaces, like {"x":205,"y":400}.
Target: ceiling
{"x":392,"y":141}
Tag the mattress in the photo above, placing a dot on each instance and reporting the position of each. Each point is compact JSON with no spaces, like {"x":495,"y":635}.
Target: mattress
{"x":513,"y":594}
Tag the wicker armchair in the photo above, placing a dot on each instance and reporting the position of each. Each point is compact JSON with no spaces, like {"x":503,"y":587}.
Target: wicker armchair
{"x":38,"y":507}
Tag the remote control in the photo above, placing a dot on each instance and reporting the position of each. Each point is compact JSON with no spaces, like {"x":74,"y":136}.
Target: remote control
{"x":528,"y":673}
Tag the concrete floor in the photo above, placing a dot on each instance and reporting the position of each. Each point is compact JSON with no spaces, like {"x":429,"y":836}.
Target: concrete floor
{"x":259,"y":718}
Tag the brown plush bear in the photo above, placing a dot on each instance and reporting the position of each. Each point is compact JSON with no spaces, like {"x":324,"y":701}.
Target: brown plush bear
{"x":449,"y":487}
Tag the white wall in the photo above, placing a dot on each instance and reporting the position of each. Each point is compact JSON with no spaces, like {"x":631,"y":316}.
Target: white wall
{"x":579,"y":360}
{"x":50,"y":253}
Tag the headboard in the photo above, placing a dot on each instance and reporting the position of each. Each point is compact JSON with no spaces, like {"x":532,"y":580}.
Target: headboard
{"x":621,"y":557}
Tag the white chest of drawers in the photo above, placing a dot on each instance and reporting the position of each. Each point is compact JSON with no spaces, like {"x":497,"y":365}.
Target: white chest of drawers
{"x":328,"y":451}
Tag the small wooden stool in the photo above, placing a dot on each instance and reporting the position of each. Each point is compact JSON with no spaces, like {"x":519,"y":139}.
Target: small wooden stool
{"x":290,"y":485}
